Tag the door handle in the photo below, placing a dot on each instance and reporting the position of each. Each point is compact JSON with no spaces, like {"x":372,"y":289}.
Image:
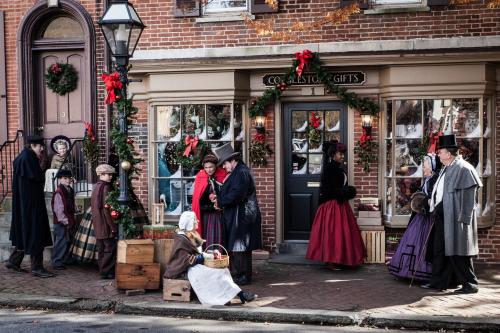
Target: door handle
{"x":39,"y":128}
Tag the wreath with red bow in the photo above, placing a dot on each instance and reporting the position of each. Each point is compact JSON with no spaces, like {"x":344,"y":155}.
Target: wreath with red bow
{"x":61,"y":78}
{"x":190,"y":151}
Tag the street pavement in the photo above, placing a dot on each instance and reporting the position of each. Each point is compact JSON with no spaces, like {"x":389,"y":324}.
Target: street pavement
{"x":368,"y":295}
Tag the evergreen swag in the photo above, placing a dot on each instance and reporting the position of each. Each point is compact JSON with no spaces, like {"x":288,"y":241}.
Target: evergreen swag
{"x":90,"y":144}
{"x":61,"y":78}
{"x":190,"y":152}
{"x":124,"y":148}
{"x":366,"y":152}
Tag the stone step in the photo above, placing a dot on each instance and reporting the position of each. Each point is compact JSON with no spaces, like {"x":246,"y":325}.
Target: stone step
{"x":4,"y":233}
{"x":5,"y":218}
{"x":296,"y":248}
{"x":6,"y":248}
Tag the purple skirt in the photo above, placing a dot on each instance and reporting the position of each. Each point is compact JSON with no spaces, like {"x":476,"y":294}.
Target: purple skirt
{"x":409,"y":259}
{"x":213,"y":231}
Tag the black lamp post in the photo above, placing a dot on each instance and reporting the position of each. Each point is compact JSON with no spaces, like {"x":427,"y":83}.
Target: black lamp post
{"x":122,"y":29}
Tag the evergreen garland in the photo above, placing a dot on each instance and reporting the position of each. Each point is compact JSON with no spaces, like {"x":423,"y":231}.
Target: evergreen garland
{"x":61,"y":78}
{"x":366,"y":152}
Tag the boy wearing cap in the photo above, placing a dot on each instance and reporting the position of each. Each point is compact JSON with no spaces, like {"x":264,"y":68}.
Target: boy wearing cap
{"x":63,"y":207}
{"x":106,"y":230}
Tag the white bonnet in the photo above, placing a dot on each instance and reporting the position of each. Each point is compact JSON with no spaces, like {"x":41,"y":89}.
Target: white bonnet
{"x":187,"y":221}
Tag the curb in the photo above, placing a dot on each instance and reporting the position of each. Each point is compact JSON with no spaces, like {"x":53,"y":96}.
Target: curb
{"x":254,"y":314}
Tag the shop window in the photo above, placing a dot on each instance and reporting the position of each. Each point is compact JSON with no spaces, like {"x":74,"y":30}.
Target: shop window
{"x":397,"y":2}
{"x":215,"y":124}
{"x":407,"y":124}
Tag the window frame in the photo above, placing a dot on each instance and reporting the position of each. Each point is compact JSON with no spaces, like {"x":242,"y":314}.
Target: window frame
{"x":215,"y":12}
{"x":485,"y":100}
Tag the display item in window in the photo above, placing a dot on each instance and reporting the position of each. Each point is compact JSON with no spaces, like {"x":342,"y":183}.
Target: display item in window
{"x":335,"y":237}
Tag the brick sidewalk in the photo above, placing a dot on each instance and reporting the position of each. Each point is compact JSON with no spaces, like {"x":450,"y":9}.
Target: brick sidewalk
{"x":369,"y":289}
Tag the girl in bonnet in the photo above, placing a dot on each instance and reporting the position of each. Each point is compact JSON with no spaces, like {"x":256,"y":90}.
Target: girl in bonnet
{"x":213,"y":286}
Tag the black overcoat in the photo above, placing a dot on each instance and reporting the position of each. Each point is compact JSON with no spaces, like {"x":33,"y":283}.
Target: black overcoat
{"x":333,"y":185}
{"x":30,"y":229}
{"x":241,"y":214}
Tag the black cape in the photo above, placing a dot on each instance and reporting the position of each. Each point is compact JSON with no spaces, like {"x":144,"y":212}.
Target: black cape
{"x":333,"y":185}
{"x":30,"y":229}
{"x":241,"y":214}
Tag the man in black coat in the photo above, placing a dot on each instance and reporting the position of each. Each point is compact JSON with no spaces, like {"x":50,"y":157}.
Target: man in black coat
{"x":30,"y":229}
{"x":240,"y":213}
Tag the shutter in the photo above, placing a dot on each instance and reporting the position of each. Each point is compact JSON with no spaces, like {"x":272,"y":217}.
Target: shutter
{"x":260,"y":6}
{"x":432,"y":3}
{"x":187,"y":8}
{"x":363,"y":4}
{"x":3,"y":84}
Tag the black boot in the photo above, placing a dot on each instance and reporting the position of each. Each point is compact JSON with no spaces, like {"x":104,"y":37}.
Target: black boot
{"x":15,"y":260}
{"x":246,"y":296}
{"x":37,"y":266}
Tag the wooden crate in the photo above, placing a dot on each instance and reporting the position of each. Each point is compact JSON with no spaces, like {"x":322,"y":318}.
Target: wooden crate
{"x":375,"y":245}
{"x":176,"y":290}
{"x":138,"y":276}
{"x":135,"y":251}
{"x":163,"y":248}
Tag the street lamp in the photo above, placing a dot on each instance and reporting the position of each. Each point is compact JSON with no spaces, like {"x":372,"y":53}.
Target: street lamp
{"x":122,"y":29}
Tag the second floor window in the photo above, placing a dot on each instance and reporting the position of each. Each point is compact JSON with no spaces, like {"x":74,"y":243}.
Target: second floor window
{"x":217,"y":6}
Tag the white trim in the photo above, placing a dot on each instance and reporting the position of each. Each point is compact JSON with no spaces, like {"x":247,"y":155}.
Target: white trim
{"x":332,"y":48}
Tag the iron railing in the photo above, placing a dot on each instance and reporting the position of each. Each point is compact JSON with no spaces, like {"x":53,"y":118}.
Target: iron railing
{"x":8,"y":152}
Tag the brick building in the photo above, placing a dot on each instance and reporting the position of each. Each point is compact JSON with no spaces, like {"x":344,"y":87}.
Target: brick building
{"x":200,"y":68}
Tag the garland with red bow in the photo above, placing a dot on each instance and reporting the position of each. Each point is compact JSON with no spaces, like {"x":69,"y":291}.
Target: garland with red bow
{"x":259,"y":150}
{"x":113,"y":87}
{"x":190,"y":152}
{"x":90,"y":145}
{"x":310,"y":60}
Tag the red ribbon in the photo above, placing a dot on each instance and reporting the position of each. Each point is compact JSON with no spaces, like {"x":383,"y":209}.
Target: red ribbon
{"x":112,"y":82}
{"x":303,"y":58}
{"x":191,"y":143}
{"x":89,"y":131}
{"x":259,"y":137}
{"x":365,"y":137}
{"x":433,"y":142}
{"x":315,"y":120}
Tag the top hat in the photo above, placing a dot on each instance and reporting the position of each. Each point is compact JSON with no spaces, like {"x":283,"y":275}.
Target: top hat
{"x":64,"y":173}
{"x":225,"y":153}
{"x":35,"y":139}
{"x":447,"y":141}
{"x":57,"y":139}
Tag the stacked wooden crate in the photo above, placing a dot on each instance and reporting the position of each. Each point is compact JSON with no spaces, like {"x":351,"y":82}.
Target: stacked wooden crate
{"x":135,"y":268}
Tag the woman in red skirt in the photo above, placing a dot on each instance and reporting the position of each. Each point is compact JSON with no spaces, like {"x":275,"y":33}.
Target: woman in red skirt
{"x":335,"y":237}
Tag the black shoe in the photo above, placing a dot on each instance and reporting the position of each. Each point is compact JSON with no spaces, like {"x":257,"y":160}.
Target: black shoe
{"x":42,"y":273}
{"x":467,"y":289}
{"x":59,"y":268}
{"x":246,"y":296}
{"x":242,"y":280}
{"x":16,"y":268}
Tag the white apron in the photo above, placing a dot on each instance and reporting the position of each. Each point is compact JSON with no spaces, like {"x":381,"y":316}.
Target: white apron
{"x":213,"y":286}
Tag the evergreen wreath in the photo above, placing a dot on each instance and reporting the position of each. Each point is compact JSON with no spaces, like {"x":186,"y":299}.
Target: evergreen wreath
{"x":188,"y":154}
{"x":61,"y":78}
{"x":307,"y":59}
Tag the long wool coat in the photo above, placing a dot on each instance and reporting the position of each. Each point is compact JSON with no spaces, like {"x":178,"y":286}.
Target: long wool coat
{"x":104,"y":226}
{"x":183,"y":256}
{"x":30,"y":229}
{"x":459,"y":202}
{"x":241,"y":214}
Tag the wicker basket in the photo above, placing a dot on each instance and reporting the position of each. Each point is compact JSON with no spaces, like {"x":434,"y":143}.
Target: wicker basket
{"x":223,"y":262}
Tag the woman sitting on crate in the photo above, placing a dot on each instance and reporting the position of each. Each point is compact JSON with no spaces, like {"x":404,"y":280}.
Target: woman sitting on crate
{"x":213,"y":286}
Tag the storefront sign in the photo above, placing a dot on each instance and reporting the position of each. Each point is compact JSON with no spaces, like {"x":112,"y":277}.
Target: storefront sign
{"x":307,"y":79}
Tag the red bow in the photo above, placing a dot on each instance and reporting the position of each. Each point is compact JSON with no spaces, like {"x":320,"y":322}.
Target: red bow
{"x":89,"y":131}
{"x":191,"y":143}
{"x":315,"y":120}
{"x":259,"y":137}
{"x":433,"y":142}
{"x":112,"y":82}
{"x":303,"y":58}
{"x":365,"y":137}
{"x":55,"y":69}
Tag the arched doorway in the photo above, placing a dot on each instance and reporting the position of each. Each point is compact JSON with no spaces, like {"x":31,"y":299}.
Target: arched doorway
{"x":63,"y":34}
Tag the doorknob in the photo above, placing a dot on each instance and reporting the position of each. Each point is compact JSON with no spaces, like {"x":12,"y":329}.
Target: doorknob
{"x":39,"y":128}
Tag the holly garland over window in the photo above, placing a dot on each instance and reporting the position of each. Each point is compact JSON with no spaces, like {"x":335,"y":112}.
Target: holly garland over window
{"x":308,"y":60}
{"x":124,"y":148}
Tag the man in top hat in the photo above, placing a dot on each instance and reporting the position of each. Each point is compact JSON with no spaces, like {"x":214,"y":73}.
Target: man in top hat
{"x":240,"y":213}
{"x":453,"y":202}
{"x":30,"y":230}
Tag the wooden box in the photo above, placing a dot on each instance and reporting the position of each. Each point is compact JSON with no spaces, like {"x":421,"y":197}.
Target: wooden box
{"x":166,"y":231}
{"x":163,"y":248}
{"x":135,"y":251}
{"x":138,"y":276}
{"x":375,"y":246}
{"x":176,"y":290}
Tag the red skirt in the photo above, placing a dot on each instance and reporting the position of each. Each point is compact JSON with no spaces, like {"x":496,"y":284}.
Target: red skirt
{"x":335,"y":236}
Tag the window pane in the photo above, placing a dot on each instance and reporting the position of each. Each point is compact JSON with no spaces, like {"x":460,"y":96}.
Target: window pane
{"x":168,"y":123}
{"x":404,"y":189}
{"x":193,"y":117}
{"x":469,"y":149}
{"x":63,"y":27}
{"x":299,"y":164}
{"x":388,"y":169}
{"x":389,"y":119}
{"x":225,"y":5}
{"x":167,"y":164}
{"x":188,"y":197}
{"x":219,"y":122}
{"x":409,"y":119}
{"x":315,"y":163}
{"x":466,"y":118}
{"x":173,"y":197}
{"x":239,"y":132}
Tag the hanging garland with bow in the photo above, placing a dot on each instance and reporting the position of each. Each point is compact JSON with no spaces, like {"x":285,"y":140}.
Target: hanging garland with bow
{"x":90,"y":145}
{"x":310,"y":61}
{"x":61,"y":78}
{"x":124,"y":148}
{"x":190,"y":152}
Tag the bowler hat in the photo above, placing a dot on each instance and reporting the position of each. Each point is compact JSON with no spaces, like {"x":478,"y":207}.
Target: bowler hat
{"x":64,"y":173}
{"x":35,"y":139}
{"x":447,"y":141}
{"x":225,"y":153}
{"x":59,"y":139}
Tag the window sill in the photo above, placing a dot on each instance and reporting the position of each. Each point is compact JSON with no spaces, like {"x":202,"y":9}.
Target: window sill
{"x":393,"y":10}
{"x":222,"y":18}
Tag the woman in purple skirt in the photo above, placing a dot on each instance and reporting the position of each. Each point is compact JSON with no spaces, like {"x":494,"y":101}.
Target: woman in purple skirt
{"x":409,"y":260}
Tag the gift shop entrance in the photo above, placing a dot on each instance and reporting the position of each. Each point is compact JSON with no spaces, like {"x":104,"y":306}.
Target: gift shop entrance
{"x":305,"y":127}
